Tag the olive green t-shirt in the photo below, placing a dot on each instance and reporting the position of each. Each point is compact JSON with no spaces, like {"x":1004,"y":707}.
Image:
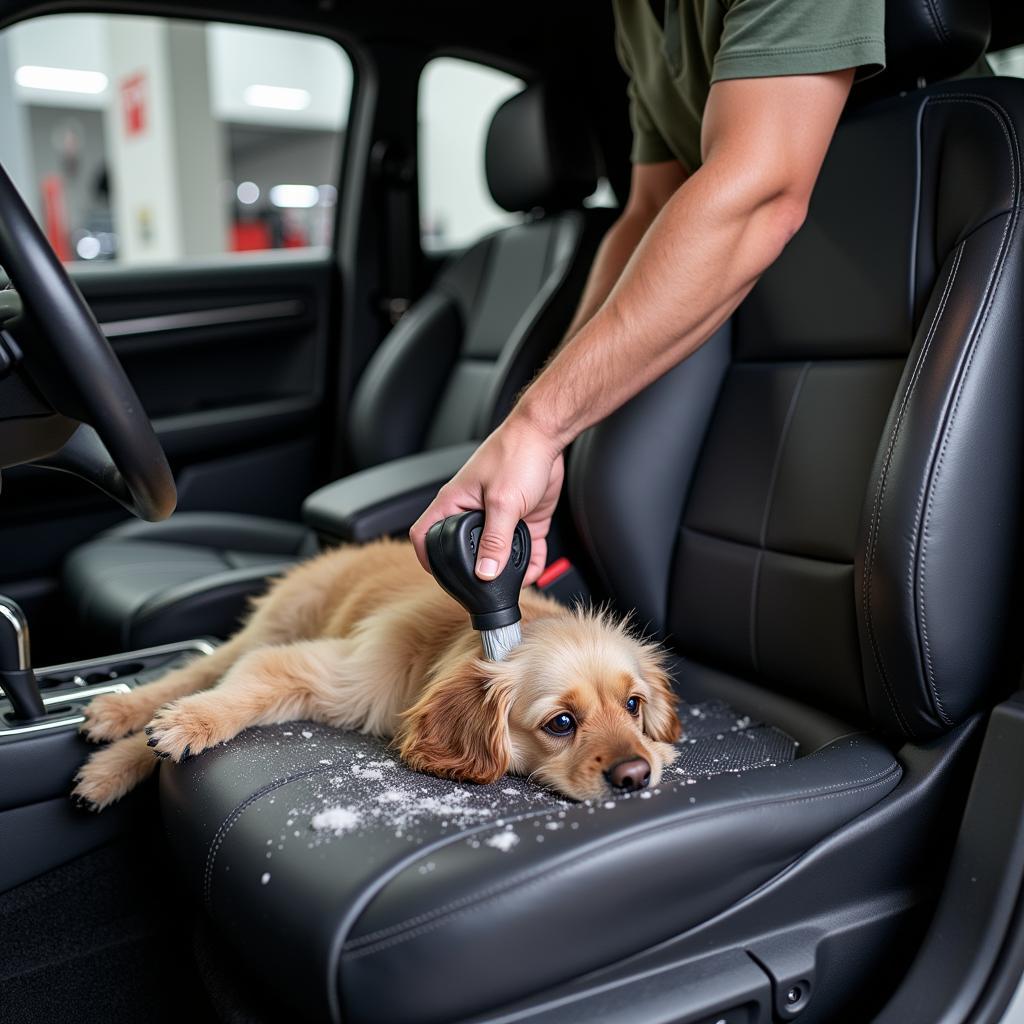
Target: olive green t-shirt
{"x":673,"y":65}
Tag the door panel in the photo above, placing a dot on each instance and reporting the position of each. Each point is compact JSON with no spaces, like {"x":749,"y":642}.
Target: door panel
{"x":222,"y":356}
{"x":234,"y":363}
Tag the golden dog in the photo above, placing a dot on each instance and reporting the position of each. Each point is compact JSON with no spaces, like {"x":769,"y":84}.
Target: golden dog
{"x":361,"y":638}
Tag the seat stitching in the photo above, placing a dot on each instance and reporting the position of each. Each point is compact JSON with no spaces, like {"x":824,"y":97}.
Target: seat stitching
{"x":722,"y":539}
{"x":769,"y":499}
{"x":883,"y":480}
{"x":935,"y":15}
{"x":229,"y":823}
{"x":469,"y":904}
{"x":533,"y":873}
{"x":1009,"y":133}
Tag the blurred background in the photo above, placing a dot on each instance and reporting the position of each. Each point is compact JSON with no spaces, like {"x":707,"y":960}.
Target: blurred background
{"x":141,"y":139}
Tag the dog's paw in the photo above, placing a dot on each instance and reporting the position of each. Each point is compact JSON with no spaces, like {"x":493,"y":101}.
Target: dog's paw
{"x":112,"y":772}
{"x":111,"y":716}
{"x":184,"y":729}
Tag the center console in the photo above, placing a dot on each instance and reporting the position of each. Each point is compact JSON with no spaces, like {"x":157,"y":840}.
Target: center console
{"x":41,"y":710}
{"x":66,"y":689}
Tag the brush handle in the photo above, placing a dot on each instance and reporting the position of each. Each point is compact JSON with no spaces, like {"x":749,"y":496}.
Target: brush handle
{"x":452,"y":548}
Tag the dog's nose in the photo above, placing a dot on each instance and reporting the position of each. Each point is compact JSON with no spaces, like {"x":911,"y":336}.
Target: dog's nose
{"x":627,"y":775}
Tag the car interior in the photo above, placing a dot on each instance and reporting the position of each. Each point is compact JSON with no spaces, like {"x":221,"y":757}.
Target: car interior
{"x":819,"y":513}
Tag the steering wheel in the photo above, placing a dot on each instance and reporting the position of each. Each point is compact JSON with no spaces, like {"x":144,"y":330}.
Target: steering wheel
{"x":65,"y":401}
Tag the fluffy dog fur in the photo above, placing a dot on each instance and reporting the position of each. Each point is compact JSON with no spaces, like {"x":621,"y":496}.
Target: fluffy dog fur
{"x":361,"y":638}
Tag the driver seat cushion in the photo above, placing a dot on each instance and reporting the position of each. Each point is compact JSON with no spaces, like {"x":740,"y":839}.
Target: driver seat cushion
{"x":145,"y":584}
{"x":354,"y":871}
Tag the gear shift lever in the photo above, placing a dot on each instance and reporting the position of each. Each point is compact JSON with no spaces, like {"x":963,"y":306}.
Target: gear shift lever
{"x":493,"y":605}
{"x":16,"y":676}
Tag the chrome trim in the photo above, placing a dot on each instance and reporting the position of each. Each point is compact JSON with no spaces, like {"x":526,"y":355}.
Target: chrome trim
{"x":202,"y":646}
{"x":64,"y":698}
{"x":16,"y":617}
{"x":88,"y":692}
{"x":203,"y":318}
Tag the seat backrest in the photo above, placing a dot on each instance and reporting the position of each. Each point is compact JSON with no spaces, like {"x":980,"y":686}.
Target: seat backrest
{"x":452,"y":367}
{"x":826,"y":499}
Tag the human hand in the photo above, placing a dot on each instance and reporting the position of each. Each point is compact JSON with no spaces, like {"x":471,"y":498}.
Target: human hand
{"x":515,"y":474}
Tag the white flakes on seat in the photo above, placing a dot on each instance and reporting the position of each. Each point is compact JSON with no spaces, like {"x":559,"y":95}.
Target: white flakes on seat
{"x":503,"y":841}
{"x":264,"y":878}
{"x":335,"y":819}
{"x":348,"y":786}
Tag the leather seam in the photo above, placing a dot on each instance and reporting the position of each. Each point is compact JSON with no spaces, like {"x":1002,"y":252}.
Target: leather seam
{"x":1009,"y":230}
{"x":236,"y":813}
{"x":752,"y":545}
{"x":172,"y":597}
{"x":787,"y":423}
{"x":769,"y":500}
{"x":404,"y":930}
{"x":938,"y":25}
{"x":874,"y":526}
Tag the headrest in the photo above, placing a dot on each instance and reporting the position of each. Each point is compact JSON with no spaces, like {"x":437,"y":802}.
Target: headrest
{"x":540,"y":153}
{"x":933,"y":39}
{"x":1007,"y":24}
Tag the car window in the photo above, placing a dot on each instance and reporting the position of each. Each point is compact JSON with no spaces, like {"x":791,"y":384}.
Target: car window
{"x":141,"y":139}
{"x":457,"y":100}
{"x":1008,"y":62}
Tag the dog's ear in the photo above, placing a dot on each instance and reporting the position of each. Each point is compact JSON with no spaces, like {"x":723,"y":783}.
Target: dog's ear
{"x":458,"y":729}
{"x":660,"y":719}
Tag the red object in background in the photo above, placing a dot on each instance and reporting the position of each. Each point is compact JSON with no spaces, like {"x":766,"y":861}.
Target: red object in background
{"x":133,"y":103}
{"x":248,"y":235}
{"x":55,"y":221}
{"x":555,"y":571}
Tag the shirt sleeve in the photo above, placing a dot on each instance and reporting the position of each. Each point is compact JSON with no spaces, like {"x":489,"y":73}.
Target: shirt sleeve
{"x":767,"y":38}
{"x":649,"y":146}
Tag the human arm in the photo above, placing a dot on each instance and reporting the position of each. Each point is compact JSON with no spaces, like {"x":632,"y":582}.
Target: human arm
{"x":763,"y":143}
{"x":651,"y":187}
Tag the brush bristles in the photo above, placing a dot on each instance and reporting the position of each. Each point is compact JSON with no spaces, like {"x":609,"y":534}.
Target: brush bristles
{"x":499,"y":643}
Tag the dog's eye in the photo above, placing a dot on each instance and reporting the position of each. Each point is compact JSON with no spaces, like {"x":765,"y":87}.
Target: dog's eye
{"x":633,"y":705}
{"x":561,"y":725}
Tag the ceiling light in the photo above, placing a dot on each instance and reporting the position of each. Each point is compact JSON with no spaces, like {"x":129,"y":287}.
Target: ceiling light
{"x":248,"y":192}
{"x":34,"y":76}
{"x":301,"y":196}
{"x":277,"y":97}
{"x":88,"y":247}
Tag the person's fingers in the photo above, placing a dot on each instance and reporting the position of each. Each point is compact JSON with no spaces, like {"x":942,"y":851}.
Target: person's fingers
{"x":441,"y":507}
{"x":538,"y":560}
{"x":500,"y":519}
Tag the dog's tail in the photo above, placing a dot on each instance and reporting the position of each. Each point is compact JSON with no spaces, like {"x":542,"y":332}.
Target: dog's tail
{"x":115,"y":770}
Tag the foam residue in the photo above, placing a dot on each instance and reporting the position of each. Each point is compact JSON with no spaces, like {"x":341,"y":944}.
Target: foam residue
{"x":503,"y":841}
{"x":348,"y":785}
{"x":336,"y":820}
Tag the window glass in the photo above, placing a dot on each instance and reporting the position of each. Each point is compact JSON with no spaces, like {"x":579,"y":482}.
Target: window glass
{"x":457,"y":100}
{"x":142,"y":139}
{"x":1008,"y":62}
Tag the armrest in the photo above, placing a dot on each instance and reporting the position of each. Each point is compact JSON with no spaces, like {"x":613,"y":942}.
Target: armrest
{"x":385,"y":499}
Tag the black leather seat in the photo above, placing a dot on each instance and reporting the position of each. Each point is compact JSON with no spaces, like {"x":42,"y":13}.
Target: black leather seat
{"x":447,"y":373}
{"x":820,"y":509}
